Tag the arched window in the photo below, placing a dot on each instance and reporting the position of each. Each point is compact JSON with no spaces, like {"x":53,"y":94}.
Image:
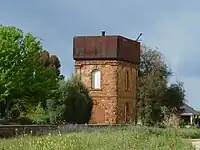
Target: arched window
{"x":127,"y":81}
{"x":96,"y":79}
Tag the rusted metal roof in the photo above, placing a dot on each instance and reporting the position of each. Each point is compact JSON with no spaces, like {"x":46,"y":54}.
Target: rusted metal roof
{"x":106,"y":47}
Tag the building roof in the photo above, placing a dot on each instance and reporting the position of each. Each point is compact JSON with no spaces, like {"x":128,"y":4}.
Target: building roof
{"x":188,"y":110}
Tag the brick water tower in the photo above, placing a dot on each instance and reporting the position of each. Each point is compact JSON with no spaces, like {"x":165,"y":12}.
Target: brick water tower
{"x":108,"y":65}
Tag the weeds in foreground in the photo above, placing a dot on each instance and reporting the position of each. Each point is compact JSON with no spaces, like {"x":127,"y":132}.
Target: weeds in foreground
{"x":108,"y":139}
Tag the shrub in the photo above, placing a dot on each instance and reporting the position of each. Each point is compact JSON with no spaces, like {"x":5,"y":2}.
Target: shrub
{"x":38,"y":115}
{"x":74,"y":104}
{"x":170,"y":118}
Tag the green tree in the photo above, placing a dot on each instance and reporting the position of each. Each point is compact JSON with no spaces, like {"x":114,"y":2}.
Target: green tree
{"x":173,"y":99}
{"x":24,"y":81}
{"x":174,"y":96}
{"x":75,"y":104}
{"x":152,"y":83}
{"x":153,"y":91}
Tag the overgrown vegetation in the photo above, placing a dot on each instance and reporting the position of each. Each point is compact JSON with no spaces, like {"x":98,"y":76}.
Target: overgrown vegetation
{"x":153,"y":91}
{"x":74,"y":104}
{"x":130,"y":138}
{"x":32,"y":88}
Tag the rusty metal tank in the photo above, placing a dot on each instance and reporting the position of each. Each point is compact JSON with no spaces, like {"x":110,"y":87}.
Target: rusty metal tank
{"x":106,"y":47}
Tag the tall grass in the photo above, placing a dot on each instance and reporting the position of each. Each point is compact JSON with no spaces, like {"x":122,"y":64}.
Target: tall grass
{"x":124,"y":138}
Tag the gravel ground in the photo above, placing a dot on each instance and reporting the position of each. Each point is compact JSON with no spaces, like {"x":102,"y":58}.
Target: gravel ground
{"x":196,"y":143}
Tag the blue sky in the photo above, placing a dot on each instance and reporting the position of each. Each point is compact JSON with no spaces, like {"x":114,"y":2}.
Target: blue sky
{"x":171,"y":26}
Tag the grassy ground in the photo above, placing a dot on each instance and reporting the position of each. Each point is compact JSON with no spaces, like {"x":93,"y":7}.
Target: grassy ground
{"x":124,"y":138}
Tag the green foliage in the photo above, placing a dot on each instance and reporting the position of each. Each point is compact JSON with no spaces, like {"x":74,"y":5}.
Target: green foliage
{"x":39,"y":115}
{"x":174,"y":96}
{"x":152,"y":83}
{"x":152,"y":90}
{"x":29,"y":83}
{"x":74,"y":105}
{"x":77,"y":101}
{"x":24,"y":80}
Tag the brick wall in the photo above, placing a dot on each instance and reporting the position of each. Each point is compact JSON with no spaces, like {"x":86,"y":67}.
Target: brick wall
{"x":126,"y":94}
{"x":109,"y":102}
{"x":105,"y":99}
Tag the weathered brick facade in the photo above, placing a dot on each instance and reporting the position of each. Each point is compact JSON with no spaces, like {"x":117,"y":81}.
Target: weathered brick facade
{"x":126,"y":94}
{"x":111,"y":101}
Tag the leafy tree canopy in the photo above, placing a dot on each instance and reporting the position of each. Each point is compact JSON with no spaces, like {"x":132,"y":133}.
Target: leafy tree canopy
{"x":24,"y":80}
{"x":152,"y":91}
